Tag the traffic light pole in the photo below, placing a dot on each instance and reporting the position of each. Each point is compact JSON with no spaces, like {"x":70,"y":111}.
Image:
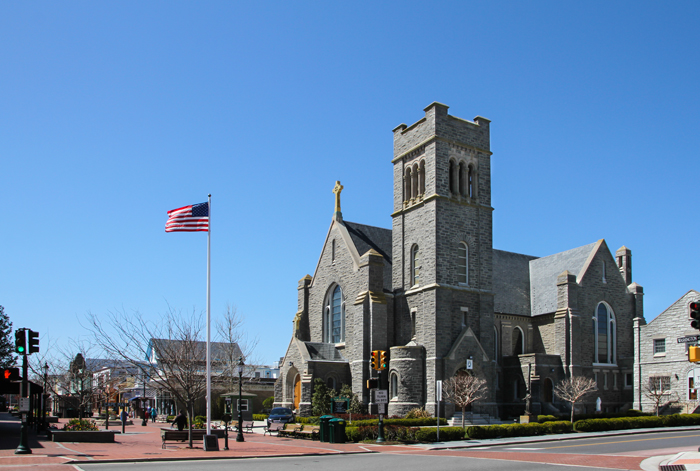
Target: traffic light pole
{"x":23,"y":448}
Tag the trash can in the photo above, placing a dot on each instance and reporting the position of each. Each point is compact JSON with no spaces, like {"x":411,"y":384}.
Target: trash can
{"x":324,"y":432}
{"x":337,"y":429}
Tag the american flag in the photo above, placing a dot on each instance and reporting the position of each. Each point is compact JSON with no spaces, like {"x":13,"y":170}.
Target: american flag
{"x":192,"y":218}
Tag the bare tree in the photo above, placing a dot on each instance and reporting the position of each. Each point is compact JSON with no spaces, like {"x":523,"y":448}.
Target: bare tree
{"x":573,"y":389}
{"x":173,"y":346}
{"x":656,"y":389}
{"x":234,"y":345}
{"x":464,"y":389}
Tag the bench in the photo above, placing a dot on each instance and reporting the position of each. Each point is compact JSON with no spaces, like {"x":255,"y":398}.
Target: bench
{"x":274,"y":427}
{"x":181,"y":435}
{"x":309,"y":431}
{"x":289,"y":430}
{"x":247,"y":426}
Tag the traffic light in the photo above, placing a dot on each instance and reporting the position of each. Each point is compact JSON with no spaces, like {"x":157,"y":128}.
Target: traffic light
{"x":375,"y":359}
{"x":33,"y":341}
{"x":383,"y":364}
{"x":373,"y":383}
{"x":20,"y":342}
{"x":9,"y":374}
{"x":695,"y":315}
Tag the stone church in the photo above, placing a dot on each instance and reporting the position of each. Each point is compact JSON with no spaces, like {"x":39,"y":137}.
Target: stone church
{"x":434,"y":293}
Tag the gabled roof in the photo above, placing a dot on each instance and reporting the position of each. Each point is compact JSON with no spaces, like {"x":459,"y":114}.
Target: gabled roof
{"x":544,"y":272}
{"x":370,"y":237}
{"x":219,"y":350}
{"x":680,"y":304}
{"x":511,"y":282}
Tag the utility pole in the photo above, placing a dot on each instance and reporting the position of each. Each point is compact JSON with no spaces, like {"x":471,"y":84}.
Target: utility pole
{"x":20,"y":347}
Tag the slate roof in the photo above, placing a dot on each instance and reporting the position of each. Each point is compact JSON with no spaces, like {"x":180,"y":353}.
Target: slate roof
{"x":323,"y":351}
{"x":511,"y":282}
{"x":219,"y":350}
{"x":370,"y":237}
{"x":544,"y":272}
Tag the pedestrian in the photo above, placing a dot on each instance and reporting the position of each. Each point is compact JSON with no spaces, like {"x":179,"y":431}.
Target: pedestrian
{"x":145,"y":414}
{"x":154,"y":414}
{"x":180,"y":421}
{"x":124,"y":416}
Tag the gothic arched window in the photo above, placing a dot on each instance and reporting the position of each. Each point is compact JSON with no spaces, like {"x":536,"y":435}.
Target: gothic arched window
{"x":394,"y":385}
{"x":421,"y":178}
{"x":407,"y":184}
{"x":605,"y":334}
{"x":462,"y":179}
{"x":414,"y":182}
{"x":334,"y":317}
{"x":518,"y":341}
{"x":471,"y":182}
{"x":463,"y":263}
{"x":454,"y":178}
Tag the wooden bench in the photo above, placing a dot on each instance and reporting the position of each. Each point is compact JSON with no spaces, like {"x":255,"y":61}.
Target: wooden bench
{"x":274,"y":427}
{"x":181,"y":435}
{"x":309,"y":431}
{"x":289,"y":430}
{"x":247,"y":426}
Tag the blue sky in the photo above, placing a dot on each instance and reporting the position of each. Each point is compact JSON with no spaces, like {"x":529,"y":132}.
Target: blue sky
{"x":112,"y":113}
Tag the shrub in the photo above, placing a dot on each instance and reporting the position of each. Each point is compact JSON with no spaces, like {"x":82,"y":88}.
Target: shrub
{"x":78,"y":425}
{"x":620,"y":423}
{"x":267,"y":403}
{"x":518,"y":430}
{"x":418,"y":413}
{"x":260,"y":417}
{"x":200,"y":418}
{"x":419,"y":422}
{"x":429,"y":434}
{"x":546,"y":418}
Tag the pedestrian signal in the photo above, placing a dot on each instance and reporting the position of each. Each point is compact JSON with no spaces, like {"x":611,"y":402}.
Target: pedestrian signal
{"x":10,"y":374}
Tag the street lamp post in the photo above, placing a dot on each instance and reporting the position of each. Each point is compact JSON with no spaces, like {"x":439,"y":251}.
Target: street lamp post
{"x":239,"y":437}
{"x":80,"y":402}
{"x":143,"y":404}
{"x":45,"y":396}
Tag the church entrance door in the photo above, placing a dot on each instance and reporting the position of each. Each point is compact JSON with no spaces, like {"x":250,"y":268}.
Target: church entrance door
{"x":297,"y":391}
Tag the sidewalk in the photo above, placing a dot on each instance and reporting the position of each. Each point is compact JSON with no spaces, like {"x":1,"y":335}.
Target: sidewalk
{"x":143,"y":443}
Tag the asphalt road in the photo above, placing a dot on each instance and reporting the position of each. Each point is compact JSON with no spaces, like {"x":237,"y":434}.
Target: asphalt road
{"x":375,"y":461}
{"x":641,"y":444}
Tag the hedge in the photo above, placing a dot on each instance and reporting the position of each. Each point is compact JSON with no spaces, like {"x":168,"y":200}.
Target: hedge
{"x":260,"y":417}
{"x":418,"y":422}
{"x":621,"y":423}
{"x":518,"y":430}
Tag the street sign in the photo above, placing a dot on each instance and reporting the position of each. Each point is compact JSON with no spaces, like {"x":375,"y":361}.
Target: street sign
{"x":381,"y":408}
{"x":438,"y":390}
{"x":381,"y":396}
{"x":24,"y":404}
{"x":470,"y":364}
{"x":688,"y":339}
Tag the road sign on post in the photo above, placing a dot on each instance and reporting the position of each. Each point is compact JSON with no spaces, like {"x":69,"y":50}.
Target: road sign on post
{"x":381,"y":396}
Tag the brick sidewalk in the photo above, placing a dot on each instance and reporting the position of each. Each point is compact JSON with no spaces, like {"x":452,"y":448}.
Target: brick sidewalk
{"x":144,"y":443}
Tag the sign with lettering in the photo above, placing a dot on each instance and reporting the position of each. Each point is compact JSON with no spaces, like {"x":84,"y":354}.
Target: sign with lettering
{"x":341,"y":405}
{"x":688,"y":339}
{"x":470,"y":364}
{"x":381,"y":396}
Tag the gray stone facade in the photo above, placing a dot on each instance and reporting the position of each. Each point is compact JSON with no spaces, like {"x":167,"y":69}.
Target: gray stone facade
{"x":660,"y":355}
{"x":432,"y":292}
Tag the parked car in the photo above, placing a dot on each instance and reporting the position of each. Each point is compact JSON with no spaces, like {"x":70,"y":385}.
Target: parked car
{"x":280,"y":415}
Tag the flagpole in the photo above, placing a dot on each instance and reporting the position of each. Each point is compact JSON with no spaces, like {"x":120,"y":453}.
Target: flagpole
{"x":209,"y":322}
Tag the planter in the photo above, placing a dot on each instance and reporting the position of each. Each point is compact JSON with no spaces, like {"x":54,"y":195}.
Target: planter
{"x":92,"y":436}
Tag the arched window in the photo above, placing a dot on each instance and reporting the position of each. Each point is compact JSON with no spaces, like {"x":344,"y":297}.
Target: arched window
{"x":407,"y":184}
{"x":330,"y":382}
{"x":333,"y":251}
{"x":518,"y":341}
{"x":415,"y":265}
{"x":414,"y":182}
{"x":454,"y":178}
{"x":394,"y":386}
{"x":471,"y":182}
{"x":605,"y":333}
{"x":421,"y":178}
{"x":334,"y":317}
{"x":463,"y":263}
{"x":462,"y":179}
